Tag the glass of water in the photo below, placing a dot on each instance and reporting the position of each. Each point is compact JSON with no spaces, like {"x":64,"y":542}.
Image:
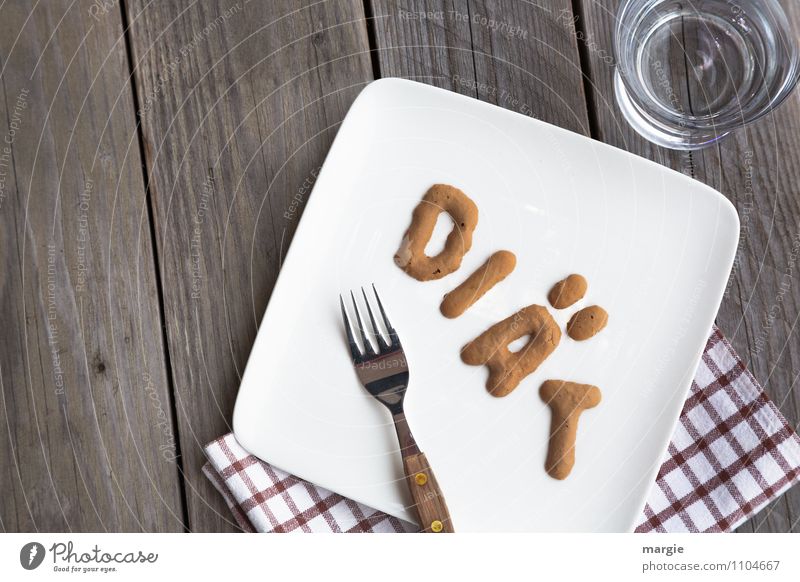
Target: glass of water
{"x":690,"y":71}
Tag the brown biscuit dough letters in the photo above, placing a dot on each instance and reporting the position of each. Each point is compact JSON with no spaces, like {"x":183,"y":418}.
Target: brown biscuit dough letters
{"x":495,"y":269}
{"x":507,"y":368}
{"x":411,"y":256}
{"x":567,"y":291}
{"x":567,"y":400}
{"x":587,"y":322}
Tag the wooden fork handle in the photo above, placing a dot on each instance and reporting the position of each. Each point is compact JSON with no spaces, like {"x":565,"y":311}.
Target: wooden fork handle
{"x":428,"y":500}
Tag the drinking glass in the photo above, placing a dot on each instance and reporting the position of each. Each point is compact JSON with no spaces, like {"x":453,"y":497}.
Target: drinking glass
{"x":688,"y":72}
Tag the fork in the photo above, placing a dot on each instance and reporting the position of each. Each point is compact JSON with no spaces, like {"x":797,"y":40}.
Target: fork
{"x":384,"y":374}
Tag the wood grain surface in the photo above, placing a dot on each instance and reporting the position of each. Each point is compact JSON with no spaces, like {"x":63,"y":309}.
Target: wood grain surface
{"x":88,"y":442}
{"x":240,"y":103}
{"x":514,"y":54}
{"x":161,"y":156}
{"x":758,"y":169}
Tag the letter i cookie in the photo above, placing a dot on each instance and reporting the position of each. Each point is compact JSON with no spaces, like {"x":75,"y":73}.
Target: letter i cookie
{"x":495,"y":269}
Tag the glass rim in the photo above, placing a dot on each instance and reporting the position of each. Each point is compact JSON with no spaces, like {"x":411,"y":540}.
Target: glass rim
{"x":723,"y":122}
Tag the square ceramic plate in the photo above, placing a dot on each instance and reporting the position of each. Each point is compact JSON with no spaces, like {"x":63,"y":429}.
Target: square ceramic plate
{"x":655,"y":246}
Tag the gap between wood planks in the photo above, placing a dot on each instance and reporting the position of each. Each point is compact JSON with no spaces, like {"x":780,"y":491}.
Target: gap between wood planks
{"x":156,"y":263}
{"x":583,"y":60}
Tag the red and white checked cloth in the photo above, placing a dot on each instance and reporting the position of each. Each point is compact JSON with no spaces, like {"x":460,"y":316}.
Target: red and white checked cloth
{"x":732,"y":452}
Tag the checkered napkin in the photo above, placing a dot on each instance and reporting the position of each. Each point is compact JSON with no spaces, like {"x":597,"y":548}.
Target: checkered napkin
{"x":732,"y":452}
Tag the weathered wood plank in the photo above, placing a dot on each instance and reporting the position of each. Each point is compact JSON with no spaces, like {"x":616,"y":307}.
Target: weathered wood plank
{"x":757,"y":169}
{"x":88,"y":438}
{"x":516,"y":55}
{"x":240,"y":102}
{"x":426,"y":42}
{"x":526,"y":52}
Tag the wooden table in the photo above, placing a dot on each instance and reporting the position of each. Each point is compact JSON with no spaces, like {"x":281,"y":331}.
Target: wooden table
{"x":156,"y":159}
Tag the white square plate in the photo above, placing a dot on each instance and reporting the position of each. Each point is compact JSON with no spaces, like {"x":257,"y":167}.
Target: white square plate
{"x":655,"y":246}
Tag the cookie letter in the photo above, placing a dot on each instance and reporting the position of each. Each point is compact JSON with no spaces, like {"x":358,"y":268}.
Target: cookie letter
{"x":566,"y":401}
{"x":587,"y":322}
{"x":507,"y":368}
{"x":494,"y":270}
{"x":567,"y":291}
{"x":411,"y":256}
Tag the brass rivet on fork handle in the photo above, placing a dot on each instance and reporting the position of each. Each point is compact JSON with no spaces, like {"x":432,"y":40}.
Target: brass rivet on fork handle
{"x":384,"y":373}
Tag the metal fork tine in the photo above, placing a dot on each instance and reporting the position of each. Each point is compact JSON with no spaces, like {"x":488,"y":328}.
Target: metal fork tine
{"x":356,"y":353}
{"x":381,"y":342}
{"x":392,"y":333}
{"x":368,"y":349}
